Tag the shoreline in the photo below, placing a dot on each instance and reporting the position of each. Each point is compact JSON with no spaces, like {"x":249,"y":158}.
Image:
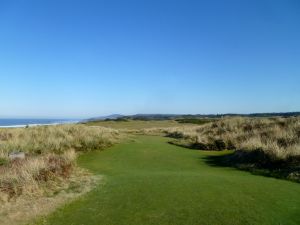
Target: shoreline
{"x":39,"y":124}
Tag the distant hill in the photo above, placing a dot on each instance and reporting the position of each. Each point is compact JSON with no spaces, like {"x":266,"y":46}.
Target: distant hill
{"x":191,"y":116}
{"x":152,"y":116}
{"x":110,"y":117}
{"x":187,"y":116}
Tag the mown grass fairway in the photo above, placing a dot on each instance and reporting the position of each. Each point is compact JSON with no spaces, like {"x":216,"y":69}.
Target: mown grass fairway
{"x":137,"y":124}
{"x":148,"y":181}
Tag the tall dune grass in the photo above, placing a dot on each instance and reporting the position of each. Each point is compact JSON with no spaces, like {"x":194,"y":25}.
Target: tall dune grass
{"x":26,"y":176}
{"x":276,"y":136}
{"x":50,"y":154}
{"x":266,"y":143}
{"x":55,"y":139}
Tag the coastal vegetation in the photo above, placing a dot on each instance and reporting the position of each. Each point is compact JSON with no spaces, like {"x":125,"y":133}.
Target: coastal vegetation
{"x":63,"y":162}
{"x":50,"y":153}
{"x":267,"y":145}
{"x":49,"y":166}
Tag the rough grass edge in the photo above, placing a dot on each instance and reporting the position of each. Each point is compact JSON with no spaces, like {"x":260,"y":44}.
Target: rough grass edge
{"x":33,"y":210}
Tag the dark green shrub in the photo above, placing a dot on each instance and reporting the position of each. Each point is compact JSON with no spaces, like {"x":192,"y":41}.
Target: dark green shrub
{"x":211,"y":146}
{"x":175,"y":135}
{"x":230,"y":145}
{"x":220,"y":144}
{"x":122,"y":119}
{"x":199,"y":145}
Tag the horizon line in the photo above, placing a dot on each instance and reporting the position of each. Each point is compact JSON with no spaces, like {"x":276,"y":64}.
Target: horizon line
{"x":201,"y":114}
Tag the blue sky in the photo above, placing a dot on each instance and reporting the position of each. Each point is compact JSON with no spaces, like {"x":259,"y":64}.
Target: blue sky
{"x":80,"y":59}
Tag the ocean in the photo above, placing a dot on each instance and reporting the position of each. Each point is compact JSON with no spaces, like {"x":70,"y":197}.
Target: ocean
{"x":34,"y":122}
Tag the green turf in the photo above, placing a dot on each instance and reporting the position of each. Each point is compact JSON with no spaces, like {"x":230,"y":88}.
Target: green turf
{"x":137,"y":124}
{"x":148,"y":181}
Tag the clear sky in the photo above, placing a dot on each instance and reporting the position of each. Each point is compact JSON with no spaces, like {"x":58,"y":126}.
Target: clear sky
{"x":79,"y":59}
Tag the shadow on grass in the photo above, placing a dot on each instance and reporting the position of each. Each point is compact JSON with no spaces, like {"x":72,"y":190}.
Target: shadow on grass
{"x":256,"y":162}
{"x":181,"y":145}
{"x":217,"y":160}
